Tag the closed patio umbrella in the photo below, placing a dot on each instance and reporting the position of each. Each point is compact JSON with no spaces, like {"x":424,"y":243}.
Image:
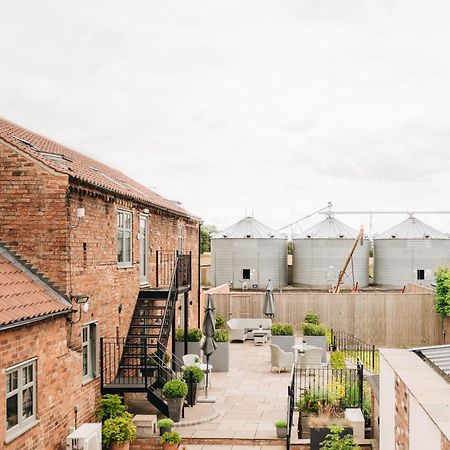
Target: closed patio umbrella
{"x":209,"y":344}
{"x":269,"y":301}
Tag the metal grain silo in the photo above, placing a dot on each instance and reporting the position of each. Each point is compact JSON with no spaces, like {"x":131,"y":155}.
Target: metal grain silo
{"x":409,"y":252}
{"x":248,"y":254}
{"x":321,"y":251}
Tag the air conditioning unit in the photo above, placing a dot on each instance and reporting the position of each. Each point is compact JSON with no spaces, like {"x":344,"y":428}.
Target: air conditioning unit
{"x":87,"y":437}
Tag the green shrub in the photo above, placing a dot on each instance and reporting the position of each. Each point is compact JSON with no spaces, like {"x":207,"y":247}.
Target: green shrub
{"x":310,"y":402}
{"x":171,"y":438}
{"x":337,"y":360}
{"x":309,"y":329}
{"x":193,"y":335}
{"x":165,"y":423}
{"x":311,"y":317}
{"x":118,"y":429}
{"x":175,"y":389}
{"x":110,"y":405}
{"x":152,"y":361}
{"x":442,"y":294}
{"x":221,"y":336}
{"x":282,"y":329}
{"x":193,"y":374}
{"x":220,"y":322}
{"x":281,"y":424}
{"x":334,"y":440}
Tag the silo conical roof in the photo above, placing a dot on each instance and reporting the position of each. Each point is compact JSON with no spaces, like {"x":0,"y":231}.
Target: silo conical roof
{"x":248,"y":228}
{"x":330,"y":228}
{"x":412,"y":228}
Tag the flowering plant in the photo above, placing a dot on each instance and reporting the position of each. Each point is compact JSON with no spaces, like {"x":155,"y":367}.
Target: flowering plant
{"x":171,"y":438}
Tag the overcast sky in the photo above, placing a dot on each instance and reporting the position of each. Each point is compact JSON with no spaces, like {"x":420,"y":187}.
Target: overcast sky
{"x":275,"y":107}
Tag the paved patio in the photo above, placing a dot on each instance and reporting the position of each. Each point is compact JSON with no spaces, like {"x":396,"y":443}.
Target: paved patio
{"x":249,"y":399}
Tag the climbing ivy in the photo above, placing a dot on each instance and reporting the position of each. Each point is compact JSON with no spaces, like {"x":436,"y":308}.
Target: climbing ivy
{"x":442,"y":295}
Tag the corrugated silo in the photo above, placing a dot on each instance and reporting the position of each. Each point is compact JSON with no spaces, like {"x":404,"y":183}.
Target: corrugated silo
{"x":320,"y":254}
{"x":248,"y":254}
{"x":409,"y":252}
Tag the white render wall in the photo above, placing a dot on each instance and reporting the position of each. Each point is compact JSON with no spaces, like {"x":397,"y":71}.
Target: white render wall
{"x":423,"y":432}
{"x":387,"y":406}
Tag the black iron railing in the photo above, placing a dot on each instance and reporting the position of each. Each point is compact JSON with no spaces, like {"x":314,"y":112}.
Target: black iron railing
{"x":165,"y":263}
{"x":321,"y":388}
{"x":354,"y":349}
{"x":290,"y":406}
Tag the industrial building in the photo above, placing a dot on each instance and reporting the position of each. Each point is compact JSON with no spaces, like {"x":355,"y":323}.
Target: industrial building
{"x":409,"y":252}
{"x":320,"y":253}
{"x":249,"y":254}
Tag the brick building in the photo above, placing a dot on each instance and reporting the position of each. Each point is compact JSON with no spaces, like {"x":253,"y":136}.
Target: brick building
{"x":93,"y":233}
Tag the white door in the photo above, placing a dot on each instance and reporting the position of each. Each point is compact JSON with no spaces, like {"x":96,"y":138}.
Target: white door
{"x":143,"y":244}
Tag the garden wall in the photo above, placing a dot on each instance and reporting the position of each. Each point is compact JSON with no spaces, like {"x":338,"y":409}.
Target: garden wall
{"x":379,"y":318}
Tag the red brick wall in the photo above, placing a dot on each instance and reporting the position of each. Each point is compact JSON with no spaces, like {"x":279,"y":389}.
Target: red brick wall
{"x":401,"y":415}
{"x":58,"y":377}
{"x":33,"y":213}
{"x":445,"y":445}
{"x":36,"y":206}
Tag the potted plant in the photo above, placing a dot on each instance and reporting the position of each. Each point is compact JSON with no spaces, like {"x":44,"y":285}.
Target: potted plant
{"x":315,"y":334}
{"x":149,"y":366}
{"x":336,"y":439}
{"x":283,"y":336}
{"x":220,"y":322}
{"x":281,"y":427}
{"x":194,"y":336}
{"x":171,"y":440}
{"x":193,"y":375}
{"x":220,"y":359}
{"x":175,"y":391}
{"x":110,"y":405}
{"x":165,"y":426}
{"x":119,"y":431}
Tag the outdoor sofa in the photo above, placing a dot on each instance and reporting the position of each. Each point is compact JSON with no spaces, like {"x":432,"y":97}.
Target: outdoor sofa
{"x":242,"y":329}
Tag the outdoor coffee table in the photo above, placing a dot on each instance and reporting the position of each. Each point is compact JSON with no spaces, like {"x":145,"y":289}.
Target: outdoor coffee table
{"x":260,"y":336}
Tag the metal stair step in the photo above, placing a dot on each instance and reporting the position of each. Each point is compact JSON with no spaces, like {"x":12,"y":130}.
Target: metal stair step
{"x":148,"y":316}
{"x":145,"y":327}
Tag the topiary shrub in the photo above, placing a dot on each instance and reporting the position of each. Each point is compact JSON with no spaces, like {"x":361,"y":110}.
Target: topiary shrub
{"x":193,"y":335}
{"x":311,"y":317}
{"x":309,"y":329}
{"x":220,"y":322}
{"x":193,"y":374}
{"x":282,"y":329}
{"x":221,"y":336}
{"x":175,"y":389}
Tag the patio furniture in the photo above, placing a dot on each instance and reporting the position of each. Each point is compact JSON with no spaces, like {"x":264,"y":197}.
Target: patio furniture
{"x":194,"y":360}
{"x":308,"y":356}
{"x":280,"y":359}
{"x":260,"y":336}
{"x":242,"y":329}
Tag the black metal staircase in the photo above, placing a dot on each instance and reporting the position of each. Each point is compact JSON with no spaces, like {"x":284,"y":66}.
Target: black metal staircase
{"x":141,"y":361}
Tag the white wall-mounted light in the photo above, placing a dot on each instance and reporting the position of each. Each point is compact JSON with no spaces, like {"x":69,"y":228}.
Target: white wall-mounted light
{"x":80,"y":213}
{"x":146,"y":211}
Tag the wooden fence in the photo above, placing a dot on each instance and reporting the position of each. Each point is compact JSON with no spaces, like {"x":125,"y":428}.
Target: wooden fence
{"x":379,"y":318}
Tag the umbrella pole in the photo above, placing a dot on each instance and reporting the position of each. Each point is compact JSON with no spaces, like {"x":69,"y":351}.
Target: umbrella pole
{"x":207,"y":373}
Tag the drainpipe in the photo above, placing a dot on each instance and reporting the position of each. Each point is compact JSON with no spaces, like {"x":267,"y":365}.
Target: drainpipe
{"x":198,"y":274}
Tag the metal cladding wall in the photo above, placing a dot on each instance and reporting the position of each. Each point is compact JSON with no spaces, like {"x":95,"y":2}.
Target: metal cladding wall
{"x":266,"y":259}
{"x":317,"y":262}
{"x":398,"y":260}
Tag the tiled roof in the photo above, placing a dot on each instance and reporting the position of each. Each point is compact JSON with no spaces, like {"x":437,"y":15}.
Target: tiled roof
{"x":81,"y":167}
{"x":23,"y":295}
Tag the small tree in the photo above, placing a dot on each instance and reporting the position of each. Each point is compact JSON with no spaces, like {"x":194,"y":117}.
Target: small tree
{"x":205,"y":237}
{"x":442,"y":295}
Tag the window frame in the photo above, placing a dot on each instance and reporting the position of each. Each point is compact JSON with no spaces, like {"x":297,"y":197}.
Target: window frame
{"x":249,"y":274}
{"x":421,"y":272}
{"x":180,"y":239}
{"x":92,"y":352}
{"x":124,"y":212}
{"x":22,"y":425}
